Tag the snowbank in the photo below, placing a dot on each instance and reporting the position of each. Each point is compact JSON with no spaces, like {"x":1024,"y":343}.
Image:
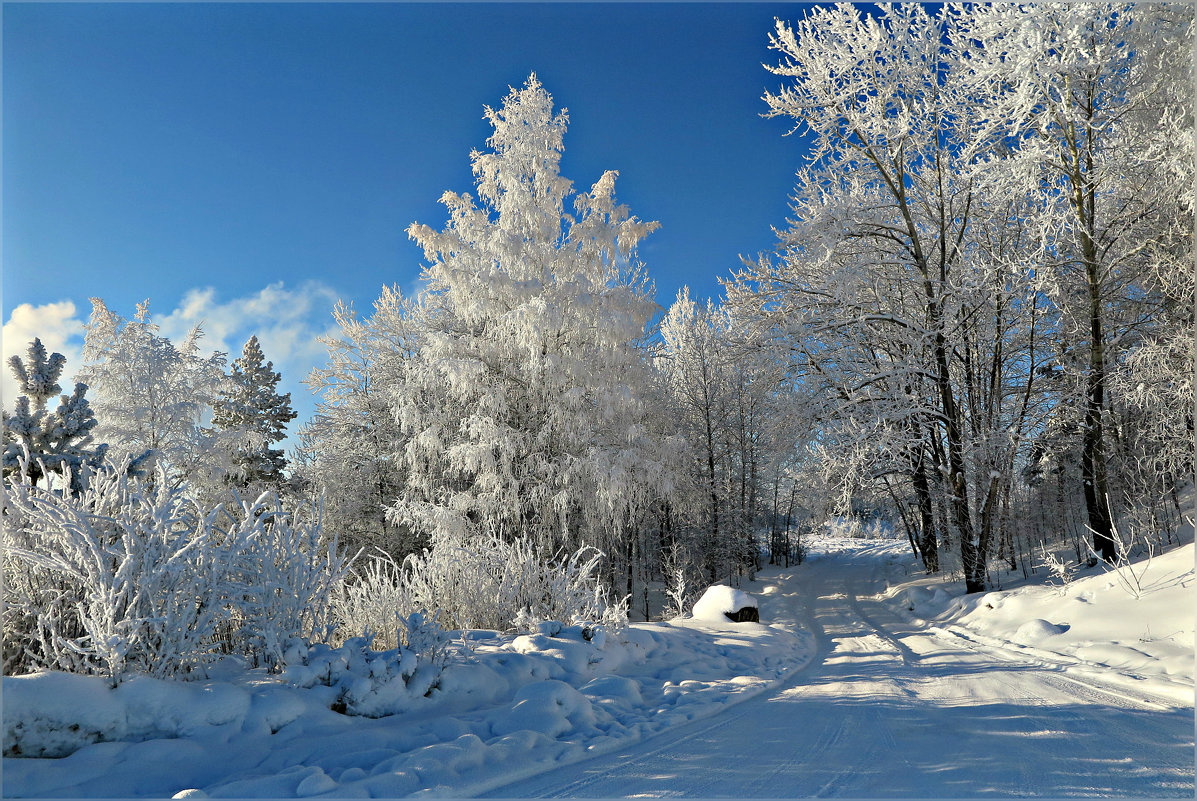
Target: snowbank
{"x":1093,"y":627}
{"x":506,"y":707}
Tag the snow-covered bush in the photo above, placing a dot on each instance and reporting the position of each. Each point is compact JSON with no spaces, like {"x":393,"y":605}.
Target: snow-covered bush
{"x":1058,"y":568}
{"x":374,"y":683}
{"x":1127,"y":547}
{"x":129,"y":576}
{"x":120,"y":577}
{"x":284,"y":578}
{"x":681,"y":583}
{"x":372,"y":601}
{"x":492,"y":583}
{"x":855,"y":528}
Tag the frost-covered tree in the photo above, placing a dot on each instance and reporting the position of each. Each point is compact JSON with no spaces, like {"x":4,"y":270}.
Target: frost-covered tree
{"x":884,"y":205}
{"x":351,"y":451}
{"x":1095,"y":104}
{"x":252,"y":408}
{"x":58,"y":441}
{"x":153,"y":398}
{"x":695,"y":362}
{"x":991,"y":222}
{"x":520,"y":403}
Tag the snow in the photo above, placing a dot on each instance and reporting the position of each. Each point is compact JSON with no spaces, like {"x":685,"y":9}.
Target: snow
{"x":720,"y":599}
{"x":1094,"y":625}
{"x":505,"y":707}
{"x":838,"y":665}
{"x":895,"y":706}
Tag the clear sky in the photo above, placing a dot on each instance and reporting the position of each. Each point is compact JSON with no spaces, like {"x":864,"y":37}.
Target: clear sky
{"x":248,"y":164}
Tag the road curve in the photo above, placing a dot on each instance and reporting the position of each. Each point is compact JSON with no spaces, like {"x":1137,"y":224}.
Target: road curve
{"x":888,"y":709}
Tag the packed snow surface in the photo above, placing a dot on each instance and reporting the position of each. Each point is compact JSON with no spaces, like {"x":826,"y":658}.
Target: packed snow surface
{"x":949,"y":704}
{"x":871,"y":679}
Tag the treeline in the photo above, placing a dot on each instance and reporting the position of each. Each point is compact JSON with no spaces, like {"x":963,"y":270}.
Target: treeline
{"x":985,"y":293}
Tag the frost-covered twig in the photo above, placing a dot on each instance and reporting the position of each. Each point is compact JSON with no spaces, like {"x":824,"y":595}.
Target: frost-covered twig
{"x":1128,"y":573}
{"x":1058,"y":568}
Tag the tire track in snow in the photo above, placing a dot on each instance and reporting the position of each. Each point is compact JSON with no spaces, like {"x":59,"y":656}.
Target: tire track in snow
{"x":887,"y":707}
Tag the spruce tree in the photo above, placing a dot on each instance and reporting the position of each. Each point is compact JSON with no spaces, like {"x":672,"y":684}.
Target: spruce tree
{"x":253,"y":405}
{"x":51,"y":441}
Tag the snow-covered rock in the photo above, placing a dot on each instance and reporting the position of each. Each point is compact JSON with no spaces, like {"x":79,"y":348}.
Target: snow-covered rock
{"x":720,"y":600}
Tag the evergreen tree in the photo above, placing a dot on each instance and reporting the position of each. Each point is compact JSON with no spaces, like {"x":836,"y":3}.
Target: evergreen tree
{"x":252,"y":405}
{"x":56,"y":441}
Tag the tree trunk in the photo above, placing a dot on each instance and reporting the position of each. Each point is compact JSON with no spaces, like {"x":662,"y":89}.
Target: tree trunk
{"x":1093,"y":453}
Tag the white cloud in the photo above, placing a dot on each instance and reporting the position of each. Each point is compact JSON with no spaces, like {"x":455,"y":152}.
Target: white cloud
{"x":59,"y":330}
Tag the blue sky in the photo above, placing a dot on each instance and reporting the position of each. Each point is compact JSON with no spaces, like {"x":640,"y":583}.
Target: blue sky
{"x":248,"y":164}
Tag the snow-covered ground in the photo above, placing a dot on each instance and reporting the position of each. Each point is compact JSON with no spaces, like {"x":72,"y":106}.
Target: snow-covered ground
{"x":1130,"y":626}
{"x":891,"y":707}
{"x":513,"y":707}
{"x":864,"y":678}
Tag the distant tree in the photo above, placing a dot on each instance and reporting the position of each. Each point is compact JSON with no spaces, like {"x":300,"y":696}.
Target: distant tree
{"x":57,"y":441}
{"x":695,"y":363}
{"x":154,"y":399}
{"x":252,"y":407}
{"x":350,"y":451}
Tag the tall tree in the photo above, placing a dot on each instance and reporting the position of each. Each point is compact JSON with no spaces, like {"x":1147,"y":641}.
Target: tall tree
{"x":252,"y":408}
{"x":57,"y":441}
{"x":520,"y":403}
{"x":885,"y":199}
{"x":1095,"y":102}
{"x":351,"y":451}
{"x":695,"y":363}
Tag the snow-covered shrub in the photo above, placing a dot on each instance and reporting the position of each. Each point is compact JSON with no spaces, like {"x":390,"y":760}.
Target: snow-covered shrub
{"x":681,"y":583}
{"x":492,"y":582}
{"x":129,"y":576}
{"x":855,"y":528}
{"x":372,"y":601}
{"x":122,"y":576}
{"x":1129,"y":574}
{"x":1057,"y":567}
{"x":374,"y":683}
{"x":284,"y":578}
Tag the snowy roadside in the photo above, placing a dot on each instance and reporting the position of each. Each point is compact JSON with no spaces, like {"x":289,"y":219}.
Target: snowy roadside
{"x":515,"y":706}
{"x":1093,"y":628}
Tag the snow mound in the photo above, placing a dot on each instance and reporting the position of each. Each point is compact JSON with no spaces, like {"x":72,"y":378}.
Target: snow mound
{"x":550,"y":707}
{"x":719,"y":599}
{"x":1039,"y":629}
{"x":55,"y":714}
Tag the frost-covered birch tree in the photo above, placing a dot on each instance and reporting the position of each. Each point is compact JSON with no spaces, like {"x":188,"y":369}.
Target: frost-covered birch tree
{"x":695,"y":363}
{"x":520,"y":405}
{"x":885,"y":201}
{"x":154,"y":398}
{"x":1095,"y":103}
{"x":351,"y":451}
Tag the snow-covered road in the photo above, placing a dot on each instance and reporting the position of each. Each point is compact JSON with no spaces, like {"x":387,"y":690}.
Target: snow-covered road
{"x":888,"y":708}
